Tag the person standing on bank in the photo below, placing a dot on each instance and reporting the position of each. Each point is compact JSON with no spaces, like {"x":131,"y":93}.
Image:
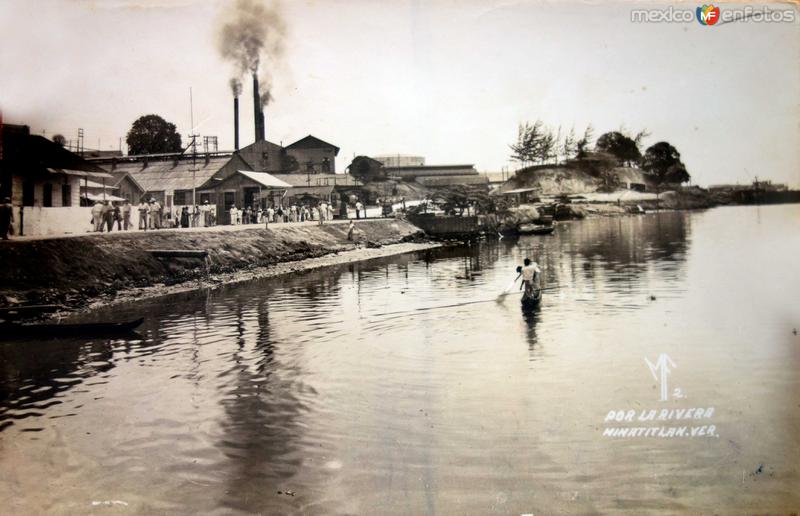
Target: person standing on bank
{"x":97,"y":216}
{"x":142,"y":209}
{"x":117,"y":216}
{"x":108,"y":216}
{"x":155,"y":211}
{"x":358,"y":209}
{"x":126,"y":215}
{"x":185,"y":217}
{"x":6,"y":218}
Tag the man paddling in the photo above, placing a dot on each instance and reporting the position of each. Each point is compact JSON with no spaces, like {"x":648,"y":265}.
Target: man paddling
{"x":531,"y":275}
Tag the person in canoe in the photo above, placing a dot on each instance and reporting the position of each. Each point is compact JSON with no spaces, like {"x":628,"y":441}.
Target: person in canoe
{"x":531,"y":279}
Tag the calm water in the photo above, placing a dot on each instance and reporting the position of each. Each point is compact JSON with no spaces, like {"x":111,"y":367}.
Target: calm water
{"x":384,"y":387}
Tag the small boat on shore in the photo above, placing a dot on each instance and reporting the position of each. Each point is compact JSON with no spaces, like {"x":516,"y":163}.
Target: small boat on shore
{"x":18,"y":311}
{"x":535,"y":229}
{"x":44,"y":330}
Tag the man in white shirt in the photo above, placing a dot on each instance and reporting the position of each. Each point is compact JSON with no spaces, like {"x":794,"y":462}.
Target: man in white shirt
{"x":531,"y":277}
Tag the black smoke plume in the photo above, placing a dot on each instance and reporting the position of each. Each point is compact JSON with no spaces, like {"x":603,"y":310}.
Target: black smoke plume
{"x":251,"y":38}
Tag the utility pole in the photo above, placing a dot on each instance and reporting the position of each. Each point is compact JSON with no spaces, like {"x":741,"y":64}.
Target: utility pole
{"x":194,"y":150}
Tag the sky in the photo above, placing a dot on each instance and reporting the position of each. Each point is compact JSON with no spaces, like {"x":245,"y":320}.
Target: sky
{"x":445,"y":79}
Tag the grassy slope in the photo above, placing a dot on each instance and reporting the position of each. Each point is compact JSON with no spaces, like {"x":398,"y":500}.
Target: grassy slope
{"x":64,"y":269}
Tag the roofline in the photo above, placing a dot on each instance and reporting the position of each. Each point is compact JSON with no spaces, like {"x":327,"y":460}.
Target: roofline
{"x":164,"y":156}
{"x":312,"y":136}
{"x":417,"y":167}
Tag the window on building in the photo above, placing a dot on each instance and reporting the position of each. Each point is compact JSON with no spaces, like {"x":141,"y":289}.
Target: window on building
{"x":66,"y":195}
{"x":47,"y":195}
{"x":27,"y":193}
{"x":310,"y":166}
{"x":229,"y":199}
{"x":265,"y":156}
{"x":326,"y":165}
{"x":182,"y":197}
{"x":205,"y":197}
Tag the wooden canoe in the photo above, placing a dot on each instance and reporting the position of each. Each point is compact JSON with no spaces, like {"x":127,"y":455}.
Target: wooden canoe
{"x":531,"y":302}
{"x":10,"y":330}
{"x":28,"y":310}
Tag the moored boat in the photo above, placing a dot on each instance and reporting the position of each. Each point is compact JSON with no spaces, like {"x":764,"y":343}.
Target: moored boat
{"x":535,"y":229}
{"x":44,"y":330}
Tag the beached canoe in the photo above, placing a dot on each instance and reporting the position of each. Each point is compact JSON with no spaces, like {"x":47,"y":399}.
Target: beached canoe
{"x":17,"y":311}
{"x":10,"y":330}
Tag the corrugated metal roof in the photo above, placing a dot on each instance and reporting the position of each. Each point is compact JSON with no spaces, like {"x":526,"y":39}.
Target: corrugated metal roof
{"x":452,"y":180}
{"x":93,"y":184}
{"x":318,"y":179}
{"x":432,"y":170}
{"x":79,"y":173}
{"x":322,"y":192}
{"x":265,"y":179}
{"x":171,"y":175}
{"x":120,"y":175}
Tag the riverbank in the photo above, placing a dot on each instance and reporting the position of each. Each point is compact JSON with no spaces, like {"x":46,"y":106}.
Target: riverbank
{"x":84,"y":271}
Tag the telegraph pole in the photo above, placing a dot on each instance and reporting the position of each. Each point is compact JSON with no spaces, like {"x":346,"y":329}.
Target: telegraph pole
{"x":194,"y":150}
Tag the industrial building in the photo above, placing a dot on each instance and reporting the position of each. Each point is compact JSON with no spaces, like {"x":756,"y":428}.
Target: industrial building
{"x":43,"y":181}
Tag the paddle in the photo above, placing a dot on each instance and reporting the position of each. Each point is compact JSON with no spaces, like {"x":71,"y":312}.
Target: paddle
{"x":505,"y":293}
{"x":509,"y":287}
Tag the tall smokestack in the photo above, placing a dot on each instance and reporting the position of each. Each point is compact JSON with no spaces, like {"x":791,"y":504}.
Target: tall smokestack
{"x":236,"y":123}
{"x":262,"y":125}
{"x":257,"y":114}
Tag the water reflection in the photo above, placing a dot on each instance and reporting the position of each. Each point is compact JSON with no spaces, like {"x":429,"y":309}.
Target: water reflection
{"x":260,"y":429}
{"x":32,"y":381}
{"x":404,"y":385}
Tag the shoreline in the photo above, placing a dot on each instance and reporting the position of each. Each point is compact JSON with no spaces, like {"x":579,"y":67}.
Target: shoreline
{"x":223,"y":279}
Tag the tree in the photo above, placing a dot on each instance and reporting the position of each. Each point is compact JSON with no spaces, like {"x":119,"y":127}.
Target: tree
{"x":619,"y":145}
{"x":547,"y":146}
{"x":151,"y":134}
{"x":641,"y":135}
{"x":455,"y":199}
{"x":584,"y":142}
{"x":529,"y":138}
{"x":569,"y":148}
{"x":59,"y":139}
{"x":663,"y":162}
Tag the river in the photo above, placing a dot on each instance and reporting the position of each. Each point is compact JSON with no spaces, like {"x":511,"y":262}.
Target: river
{"x":403,"y":386}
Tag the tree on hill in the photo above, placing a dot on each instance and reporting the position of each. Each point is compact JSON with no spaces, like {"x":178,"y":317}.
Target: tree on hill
{"x":569,"y":147}
{"x":619,"y":145}
{"x":527,"y":148}
{"x":583,"y":144}
{"x":59,"y":139}
{"x":663,"y":162}
{"x":151,"y":134}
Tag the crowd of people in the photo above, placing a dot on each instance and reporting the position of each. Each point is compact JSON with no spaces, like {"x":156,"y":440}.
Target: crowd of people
{"x":152,"y":215}
{"x":292,"y":213}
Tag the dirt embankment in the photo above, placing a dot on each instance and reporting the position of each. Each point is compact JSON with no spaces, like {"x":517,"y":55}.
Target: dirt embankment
{"x":75,"y":270}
